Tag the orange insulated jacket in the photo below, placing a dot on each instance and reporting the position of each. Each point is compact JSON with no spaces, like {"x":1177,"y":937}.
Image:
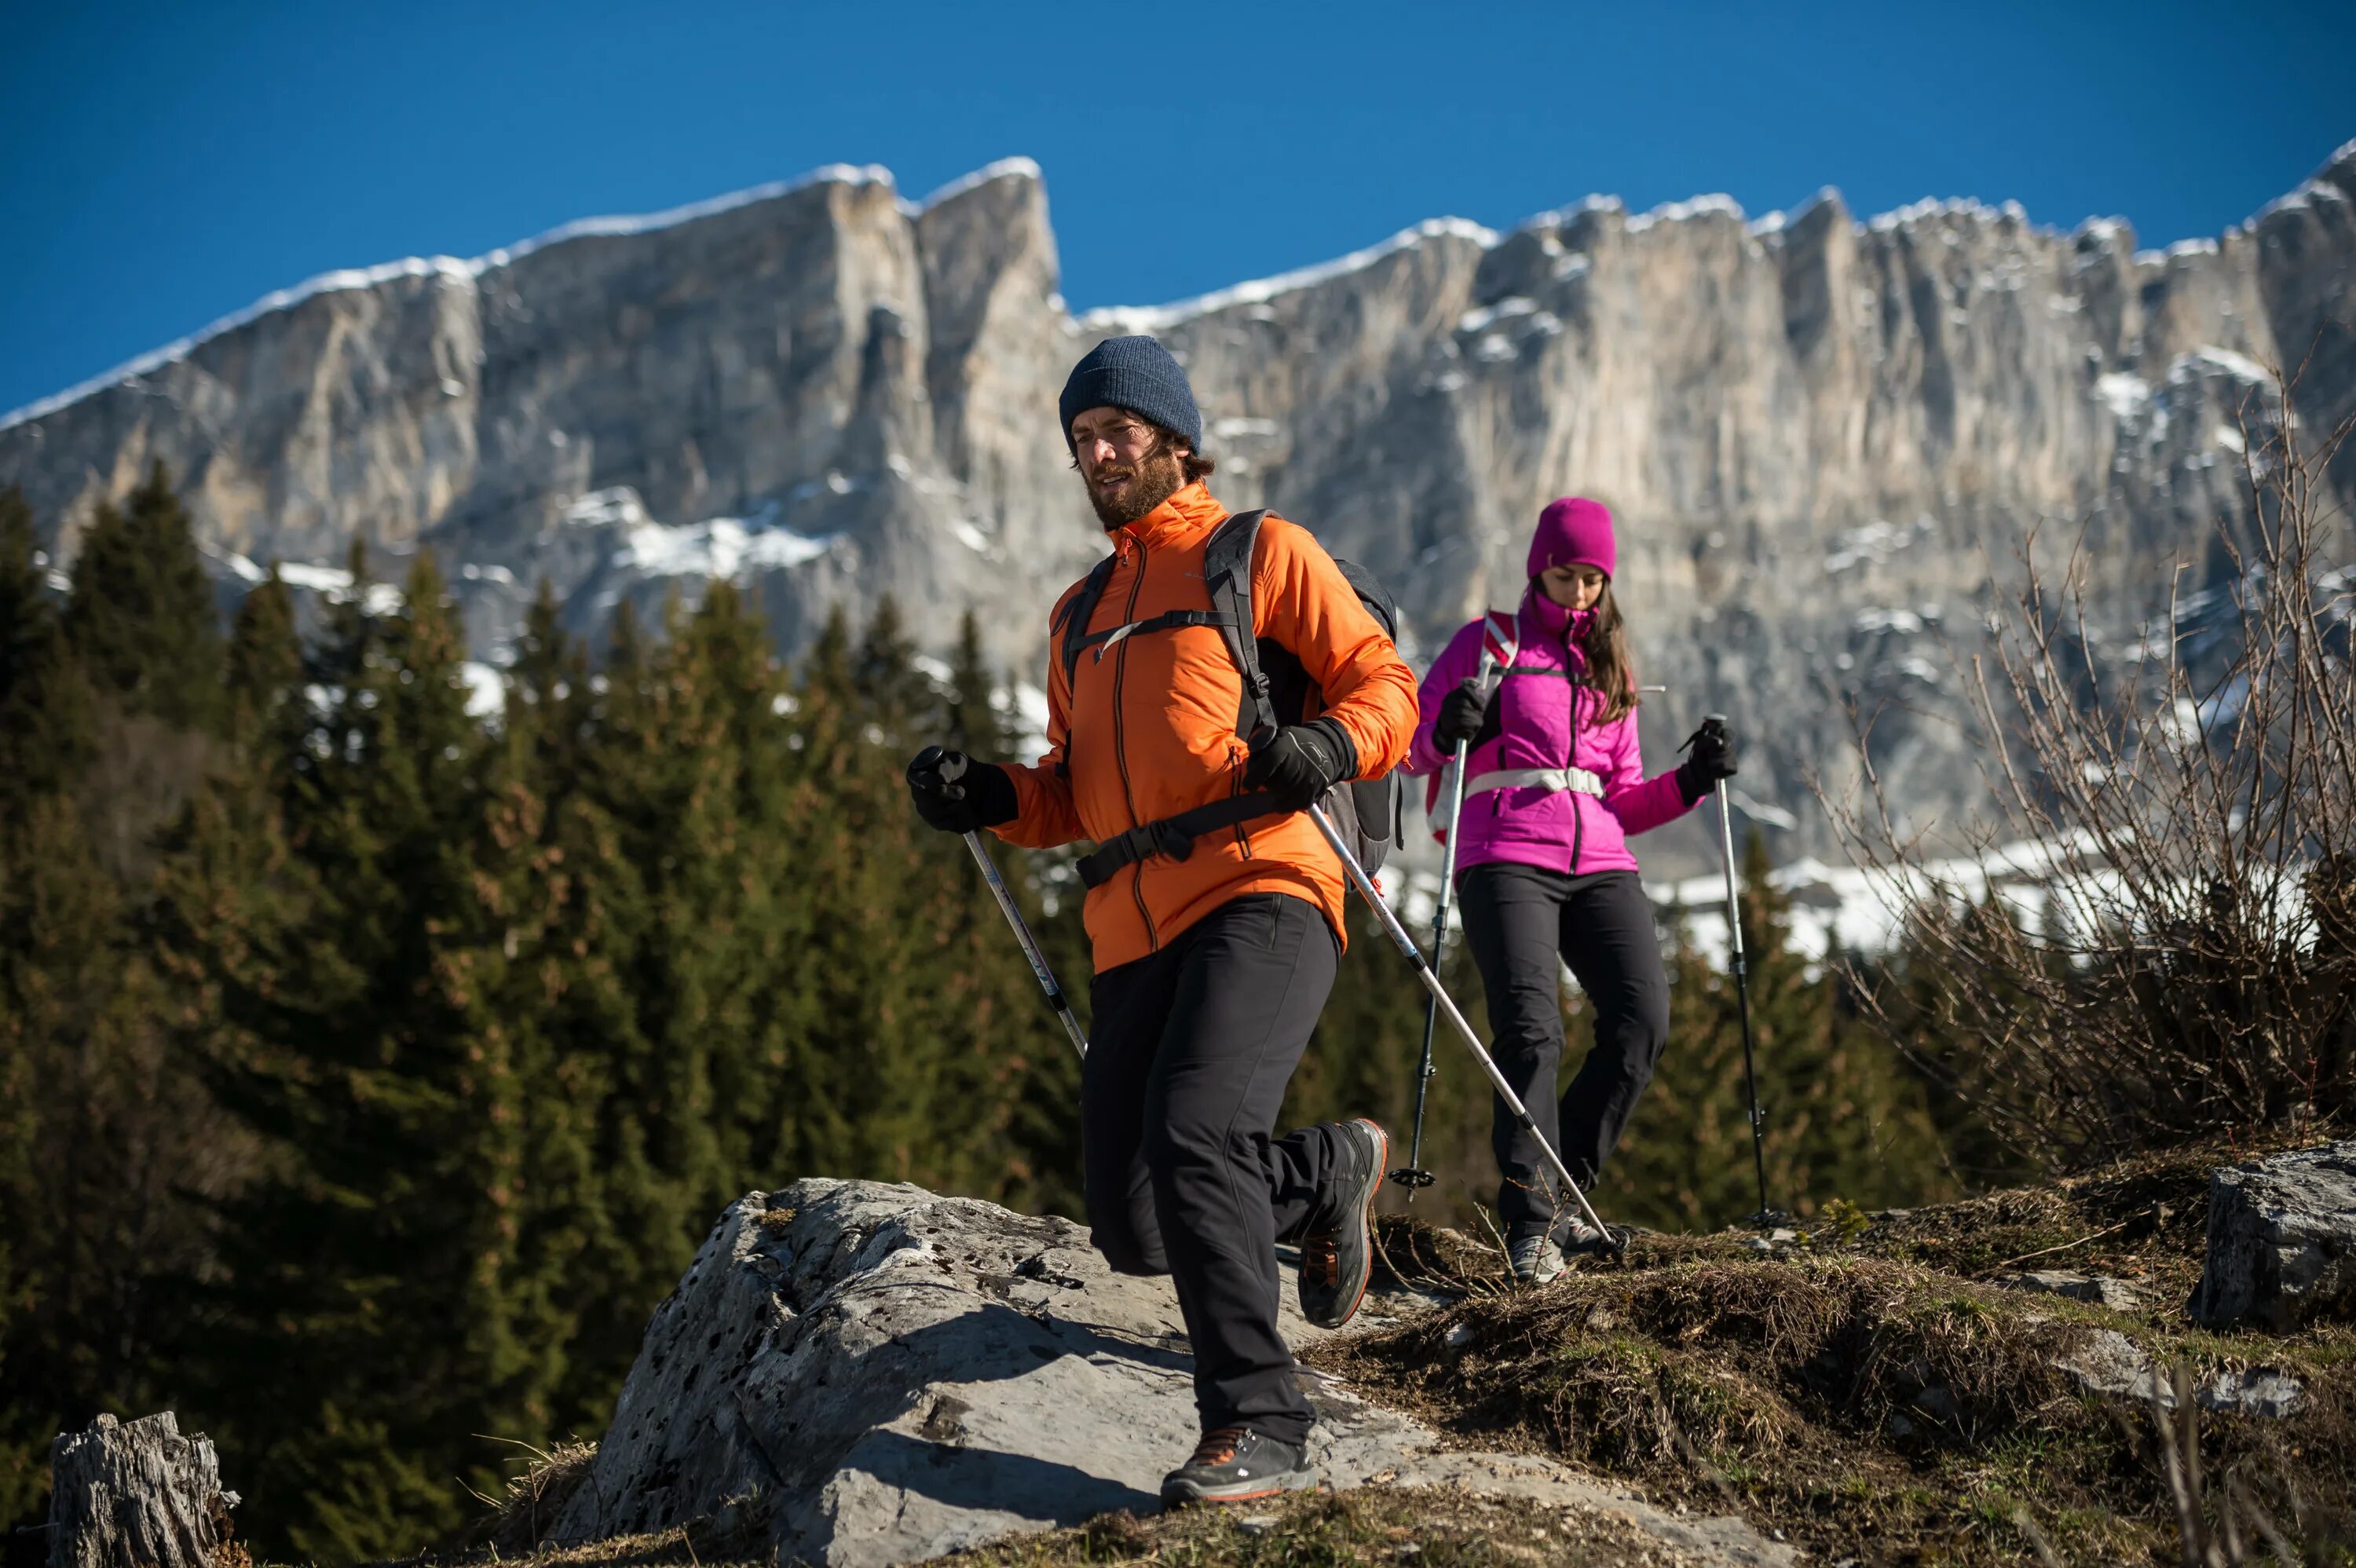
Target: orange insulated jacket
{"x":1145,"y":727}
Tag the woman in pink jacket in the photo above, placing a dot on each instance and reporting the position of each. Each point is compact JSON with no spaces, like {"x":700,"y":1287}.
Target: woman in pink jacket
{"x":1554,"y":787}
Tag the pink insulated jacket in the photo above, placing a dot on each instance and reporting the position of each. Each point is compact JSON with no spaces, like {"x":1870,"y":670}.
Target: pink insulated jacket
{"x":1543,"y":718}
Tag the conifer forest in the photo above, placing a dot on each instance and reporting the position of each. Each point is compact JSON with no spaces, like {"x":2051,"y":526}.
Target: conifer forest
{"x":372,"y":1067}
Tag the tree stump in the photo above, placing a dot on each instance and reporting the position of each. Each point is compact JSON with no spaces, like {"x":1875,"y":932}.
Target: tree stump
{"x":138,"y":1496}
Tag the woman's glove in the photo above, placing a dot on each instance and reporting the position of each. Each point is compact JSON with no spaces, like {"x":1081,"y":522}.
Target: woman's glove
{"x":957,"y":794}
{"x":1710,"y":758}
{"x":1302,"y":762}
{"x":1461,"y":714}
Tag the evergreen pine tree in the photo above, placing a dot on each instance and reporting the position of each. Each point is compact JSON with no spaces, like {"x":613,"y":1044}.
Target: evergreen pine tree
{"x":397,"y":1273}
{"x":104,"y":1135}
{"x":142,"y":613}
{"x":263,"y":665}
{"x":44,"y":705}
{"x":1842,"y":1116}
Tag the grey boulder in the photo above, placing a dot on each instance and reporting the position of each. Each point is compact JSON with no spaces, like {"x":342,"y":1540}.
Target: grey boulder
{"x":2282,"y":1240}
{"x":869,"y":1374}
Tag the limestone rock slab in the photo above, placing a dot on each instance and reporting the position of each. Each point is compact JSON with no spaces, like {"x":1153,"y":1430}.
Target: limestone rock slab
{"x":886,"y":1375}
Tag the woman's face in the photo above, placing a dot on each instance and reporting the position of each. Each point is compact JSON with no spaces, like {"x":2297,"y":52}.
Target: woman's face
{"x":1572,"y":587}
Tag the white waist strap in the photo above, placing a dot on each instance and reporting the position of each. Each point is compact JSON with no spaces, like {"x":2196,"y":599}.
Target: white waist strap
{"x":1577,"y":780}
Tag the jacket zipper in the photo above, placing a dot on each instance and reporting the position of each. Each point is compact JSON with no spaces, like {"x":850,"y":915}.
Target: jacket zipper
{"x":1120,"y":749}
{"x":1577,"y":811}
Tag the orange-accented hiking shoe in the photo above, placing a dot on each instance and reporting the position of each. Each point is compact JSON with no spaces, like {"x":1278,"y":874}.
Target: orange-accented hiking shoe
{"x":1336,"y":1264}
{"x":1234,"y":1465}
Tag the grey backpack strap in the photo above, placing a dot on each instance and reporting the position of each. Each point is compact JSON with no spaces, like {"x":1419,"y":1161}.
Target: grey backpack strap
{"x":1226,"y":573}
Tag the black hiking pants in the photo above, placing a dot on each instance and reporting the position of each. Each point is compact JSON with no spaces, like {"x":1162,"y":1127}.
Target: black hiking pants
{"x":1522,"y":923}
{"x":1188,"y":1057}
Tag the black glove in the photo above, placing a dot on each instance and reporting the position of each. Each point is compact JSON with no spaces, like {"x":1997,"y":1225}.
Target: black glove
{"x":1301,"y":761}
{"x":1461,"y":713}
{"x":957,"y":794}
{"x":1710,"y":758}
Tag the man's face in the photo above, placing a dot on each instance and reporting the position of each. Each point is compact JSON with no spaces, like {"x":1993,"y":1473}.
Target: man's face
{"x":1127,"y":468}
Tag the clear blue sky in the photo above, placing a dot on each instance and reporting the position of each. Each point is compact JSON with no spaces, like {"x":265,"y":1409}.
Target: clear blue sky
{"x":167,"y":163}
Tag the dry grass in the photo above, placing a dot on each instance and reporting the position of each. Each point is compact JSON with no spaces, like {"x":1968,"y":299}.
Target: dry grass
{"x":1875,"y":1392}
{"x":1422,"y":1525}
{"x":525,"y":1518}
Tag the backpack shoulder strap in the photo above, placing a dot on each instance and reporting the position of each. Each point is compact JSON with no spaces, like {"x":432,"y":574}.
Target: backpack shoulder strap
{"x":1226,"y":573}
{"x":1074,"y":625}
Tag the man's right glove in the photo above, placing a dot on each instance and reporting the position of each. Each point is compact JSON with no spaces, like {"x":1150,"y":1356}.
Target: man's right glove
{"x":1710,"y":758}
{"x":1461,"y":713}
{"x":1301,"y":761}
{"x":957,"y":794}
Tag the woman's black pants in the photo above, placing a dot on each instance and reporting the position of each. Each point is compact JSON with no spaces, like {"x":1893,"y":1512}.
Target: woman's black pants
{"x":1523,"y":923}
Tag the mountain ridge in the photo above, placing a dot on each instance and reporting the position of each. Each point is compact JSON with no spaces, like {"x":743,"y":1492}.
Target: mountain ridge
{"x":1250,"y":291}
{"x":1824,"y":433}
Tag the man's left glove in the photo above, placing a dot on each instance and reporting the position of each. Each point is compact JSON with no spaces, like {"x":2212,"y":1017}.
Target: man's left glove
{"x":957,"y":794}
{"x":1710,"y":757}
{"x":1301,"y":761}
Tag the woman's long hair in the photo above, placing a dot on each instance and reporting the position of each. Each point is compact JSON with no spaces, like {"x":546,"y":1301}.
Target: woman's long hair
{"x":1610,"y":670}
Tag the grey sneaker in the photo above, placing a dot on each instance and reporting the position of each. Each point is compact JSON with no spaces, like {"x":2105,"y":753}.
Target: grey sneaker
{"x":1536,"y":1259}
{"x":1235,"y":1465}
{"x":1336,"y":1264}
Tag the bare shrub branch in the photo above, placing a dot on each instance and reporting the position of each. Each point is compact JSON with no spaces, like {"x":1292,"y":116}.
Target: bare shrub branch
{"x":2152,"y":934}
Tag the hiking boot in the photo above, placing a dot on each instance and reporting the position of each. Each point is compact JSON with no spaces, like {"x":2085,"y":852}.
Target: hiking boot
{"x":1536,"y":1259}
{"x":1234,"y":1465}
{"x":1336,"y":1264}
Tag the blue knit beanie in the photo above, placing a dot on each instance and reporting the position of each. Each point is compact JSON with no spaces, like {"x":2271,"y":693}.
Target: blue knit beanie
{"x":1136,"y":374}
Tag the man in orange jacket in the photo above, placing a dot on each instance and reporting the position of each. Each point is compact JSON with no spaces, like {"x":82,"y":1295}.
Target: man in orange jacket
{"x":1211,"y":965}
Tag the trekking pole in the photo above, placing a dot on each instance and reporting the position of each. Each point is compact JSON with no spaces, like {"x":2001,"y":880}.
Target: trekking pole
{"x":1005,"y":897}
{"x":1413,"y":1175}
{"x":952,"y":766}
{"x":1766,"y":1218}
{"x":1614,"y":1241}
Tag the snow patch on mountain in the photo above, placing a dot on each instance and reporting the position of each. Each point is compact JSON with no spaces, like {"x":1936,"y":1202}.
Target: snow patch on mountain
{"x":1004,"y":168}
{"x":1120,"y":319}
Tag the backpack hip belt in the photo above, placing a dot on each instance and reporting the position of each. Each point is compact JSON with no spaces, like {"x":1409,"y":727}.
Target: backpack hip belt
{"x":1577,"y":781}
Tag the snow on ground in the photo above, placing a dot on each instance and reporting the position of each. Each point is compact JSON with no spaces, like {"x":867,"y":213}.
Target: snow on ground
{"x":487,"y":690}
{"x":335,"y":584}
{"x":2209,"y":356}
{"x":2126,"y":396}
{"x":721,"y":547}
{"x":1027,"y":706}
{"x":1835,"y":909}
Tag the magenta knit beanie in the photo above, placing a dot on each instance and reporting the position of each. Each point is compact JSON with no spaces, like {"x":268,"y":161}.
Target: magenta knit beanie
{"x":1573,"y":531}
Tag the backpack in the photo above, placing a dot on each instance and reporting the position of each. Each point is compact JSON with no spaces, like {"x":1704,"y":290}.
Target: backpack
{"x":1276,"y":691}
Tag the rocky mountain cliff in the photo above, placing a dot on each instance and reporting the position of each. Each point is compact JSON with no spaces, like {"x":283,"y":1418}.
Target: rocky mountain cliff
{"x":1821,"y":434}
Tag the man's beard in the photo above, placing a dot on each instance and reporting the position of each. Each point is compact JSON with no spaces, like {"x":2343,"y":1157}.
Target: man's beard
{"x":1158,"y":476}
